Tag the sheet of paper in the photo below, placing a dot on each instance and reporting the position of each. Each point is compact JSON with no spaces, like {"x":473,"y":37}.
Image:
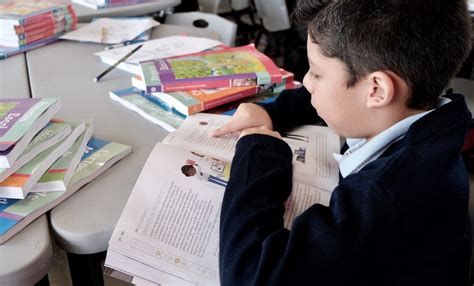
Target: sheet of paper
{"x":161,"y":48}
{"x":313,"y":160}
{"x":111,"y":31}
{"x":142,"y":274}
{"x":171,"y":220}
{"x":193,"y":134}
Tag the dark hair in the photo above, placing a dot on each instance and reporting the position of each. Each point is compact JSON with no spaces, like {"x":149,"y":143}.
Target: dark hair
{"x":186,"y":168}
{"x":424,"y":42}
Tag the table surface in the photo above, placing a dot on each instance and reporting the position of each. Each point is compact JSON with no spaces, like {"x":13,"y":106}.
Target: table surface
{"x":14,"y":77}
{"x":85,"y":14}
{"x":84,"y":223}
{"x":26,"y":257}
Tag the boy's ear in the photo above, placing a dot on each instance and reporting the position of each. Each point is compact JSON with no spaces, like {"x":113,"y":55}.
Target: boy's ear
{"x":381,"y":89}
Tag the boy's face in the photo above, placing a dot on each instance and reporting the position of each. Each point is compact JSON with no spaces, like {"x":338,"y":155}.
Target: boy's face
{"x":341,"y":108}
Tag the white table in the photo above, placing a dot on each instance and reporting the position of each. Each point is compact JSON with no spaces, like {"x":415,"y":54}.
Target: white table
{"x":26,"y":258}
{"x":83,"y":224}
{"x":85,"y":14}
{"x":14,"y":81}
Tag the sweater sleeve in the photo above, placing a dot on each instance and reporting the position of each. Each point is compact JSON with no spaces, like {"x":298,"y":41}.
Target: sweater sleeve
{"x":292,"y":108}
{"x":326,"y":245}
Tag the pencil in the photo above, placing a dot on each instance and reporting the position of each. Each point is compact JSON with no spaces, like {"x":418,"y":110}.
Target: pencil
{"x":97,"y":78}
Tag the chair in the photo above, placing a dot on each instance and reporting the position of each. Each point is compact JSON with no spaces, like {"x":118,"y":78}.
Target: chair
{"x":226,"y":28}
{"x":209,"y":6}
{"x":274,"y":14}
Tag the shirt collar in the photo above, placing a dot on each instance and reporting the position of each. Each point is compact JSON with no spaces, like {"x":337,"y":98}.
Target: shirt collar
{"x":361,"y":152}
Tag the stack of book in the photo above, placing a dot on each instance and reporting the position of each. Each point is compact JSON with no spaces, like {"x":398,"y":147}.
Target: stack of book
{"x":28,"y":24}
{"x":100,"y":4}
{"x":40,"y":160}
{"x":167,"y":90}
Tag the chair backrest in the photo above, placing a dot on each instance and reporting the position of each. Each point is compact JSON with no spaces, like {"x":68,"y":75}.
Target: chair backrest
{"x":209,"y":6}
{"x":227,"y":29}
{"x":274,"y":14}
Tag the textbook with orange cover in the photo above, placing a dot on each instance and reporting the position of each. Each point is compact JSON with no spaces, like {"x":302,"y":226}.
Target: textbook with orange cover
{"x":240,"y":66}
{"x":189,"y":102}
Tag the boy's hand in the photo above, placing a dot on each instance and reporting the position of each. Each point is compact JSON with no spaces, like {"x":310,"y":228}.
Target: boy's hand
{"x":260,"y":130}
{"x":248,"y":115}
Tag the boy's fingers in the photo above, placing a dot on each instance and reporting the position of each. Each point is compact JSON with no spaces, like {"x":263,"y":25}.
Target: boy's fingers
{"x":226,"y":129}
{"x":221,"y":131}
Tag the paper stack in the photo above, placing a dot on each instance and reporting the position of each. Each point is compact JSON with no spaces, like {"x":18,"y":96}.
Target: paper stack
{"x":28,"y":24}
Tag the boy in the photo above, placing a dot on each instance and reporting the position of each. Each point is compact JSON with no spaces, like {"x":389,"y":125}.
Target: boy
{"x":399,"y":215}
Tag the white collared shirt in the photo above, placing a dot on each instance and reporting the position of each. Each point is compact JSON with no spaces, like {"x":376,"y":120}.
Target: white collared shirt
{"x":361,"y":152}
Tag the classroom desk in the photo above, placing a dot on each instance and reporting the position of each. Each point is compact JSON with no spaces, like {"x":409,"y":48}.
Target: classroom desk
{"x":84,"y":223}
{"x":14,"y":81}
{"x":85,"y":14}
{"x":25,"y":259}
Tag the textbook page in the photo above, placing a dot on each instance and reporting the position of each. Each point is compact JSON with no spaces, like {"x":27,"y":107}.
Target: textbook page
{"x":139,"y":271}
{"x":171,"y":220}
{"x":193,"y":134}
{"x":312,"y":147}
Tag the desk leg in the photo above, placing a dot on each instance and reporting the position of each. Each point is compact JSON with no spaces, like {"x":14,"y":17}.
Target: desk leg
{"x":43,"y":282}
{"x":86,"y":269}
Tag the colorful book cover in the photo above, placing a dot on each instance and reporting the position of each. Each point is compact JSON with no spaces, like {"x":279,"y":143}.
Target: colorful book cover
{"x":149,"y":107}
{"x":17,"y":214}
{"x":24,"y":40}
{"x":60,"y":173}
{"x":189,"y":102}
{"x":21,"y":12}
{"x":54,"y":132}
{"x":17,"y":116}
{"x":241,"y":66}
{"x":52,"y":21}
{"x":66,"y":21}
{"x":193,"y":101}
{"x":20,"y":183}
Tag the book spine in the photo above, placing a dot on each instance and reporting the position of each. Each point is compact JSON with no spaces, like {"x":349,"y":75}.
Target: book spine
{"x":43,"y":15}
{"x":20,"y":29}
{"x":231,"y":97}
{"x":207,"y":84}
{"x":46,"y":31}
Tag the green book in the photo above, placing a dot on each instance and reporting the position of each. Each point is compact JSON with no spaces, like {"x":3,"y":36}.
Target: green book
{"x":54,"y":132}
{"x":57,"y":177}
{"x":20,"y":183}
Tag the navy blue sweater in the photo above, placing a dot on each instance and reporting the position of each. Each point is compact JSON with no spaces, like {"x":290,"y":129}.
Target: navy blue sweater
{"x":401,"y":220}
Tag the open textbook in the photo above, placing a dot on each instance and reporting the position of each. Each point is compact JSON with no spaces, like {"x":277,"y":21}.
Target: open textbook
{"x":169,"y":229}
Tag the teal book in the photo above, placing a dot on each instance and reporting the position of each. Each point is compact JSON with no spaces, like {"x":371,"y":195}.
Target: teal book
{"x":149,"y":107}
{"x":17,"y":214}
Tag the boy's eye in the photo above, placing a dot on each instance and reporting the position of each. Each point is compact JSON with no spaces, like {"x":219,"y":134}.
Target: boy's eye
{"x":313,"y":76}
